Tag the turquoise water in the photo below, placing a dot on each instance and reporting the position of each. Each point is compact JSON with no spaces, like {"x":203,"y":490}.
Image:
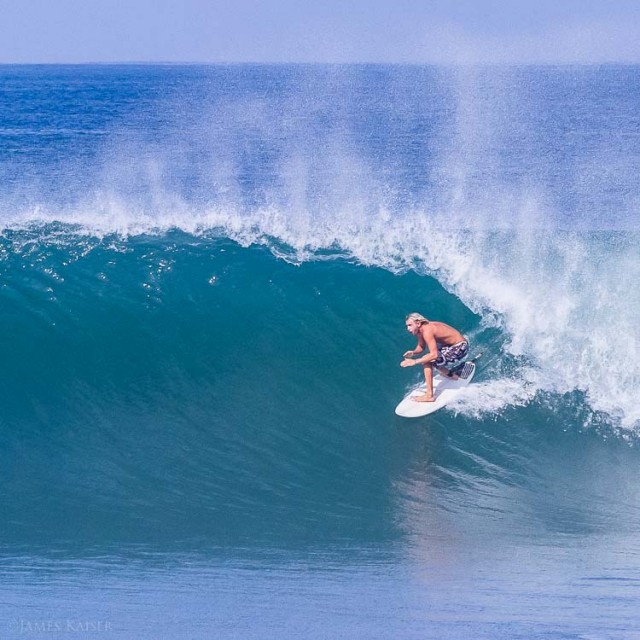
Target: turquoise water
{"x":204,"y":273}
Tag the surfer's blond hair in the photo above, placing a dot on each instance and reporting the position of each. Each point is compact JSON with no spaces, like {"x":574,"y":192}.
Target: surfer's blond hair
{"x":417,"y":317}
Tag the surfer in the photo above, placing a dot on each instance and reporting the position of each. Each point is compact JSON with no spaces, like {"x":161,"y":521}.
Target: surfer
{"x":445,"y":345}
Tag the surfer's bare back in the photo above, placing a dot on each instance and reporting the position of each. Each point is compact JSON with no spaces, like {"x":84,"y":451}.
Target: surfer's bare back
{"x":445,"y":345}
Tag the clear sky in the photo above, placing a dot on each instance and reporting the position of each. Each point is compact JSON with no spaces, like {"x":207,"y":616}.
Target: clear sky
{"x":420,"y":31}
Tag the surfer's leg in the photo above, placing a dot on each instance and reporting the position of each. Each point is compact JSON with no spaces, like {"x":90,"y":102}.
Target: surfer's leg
{"x":428,"y":376}
{"x":451,"y":356}
{"x":447,"y":374}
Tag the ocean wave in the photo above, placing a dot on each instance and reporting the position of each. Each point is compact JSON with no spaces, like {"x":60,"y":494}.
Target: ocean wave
{"x":564,"y":302}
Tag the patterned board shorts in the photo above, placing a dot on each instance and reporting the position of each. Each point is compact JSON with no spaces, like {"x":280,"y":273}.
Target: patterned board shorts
{"x":451,"y":354}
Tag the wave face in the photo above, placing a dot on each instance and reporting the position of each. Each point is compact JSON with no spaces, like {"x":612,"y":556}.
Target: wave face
{"x":205,"y":270}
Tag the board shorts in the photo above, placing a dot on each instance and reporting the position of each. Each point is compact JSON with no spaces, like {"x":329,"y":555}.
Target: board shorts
{"x":452,"y":353}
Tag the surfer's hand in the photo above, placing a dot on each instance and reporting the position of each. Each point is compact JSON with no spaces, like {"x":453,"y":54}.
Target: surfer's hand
{"x":407,"y":363}
{"x":407,"y":354}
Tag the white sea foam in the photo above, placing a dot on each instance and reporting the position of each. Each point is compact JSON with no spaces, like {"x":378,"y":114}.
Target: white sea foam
{"x":491,"y":397}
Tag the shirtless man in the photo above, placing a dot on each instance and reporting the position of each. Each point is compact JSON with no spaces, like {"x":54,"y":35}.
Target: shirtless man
{"x":445,"y":345}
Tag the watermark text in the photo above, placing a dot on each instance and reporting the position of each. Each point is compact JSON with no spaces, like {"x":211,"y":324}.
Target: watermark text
{"x":67,"y":625}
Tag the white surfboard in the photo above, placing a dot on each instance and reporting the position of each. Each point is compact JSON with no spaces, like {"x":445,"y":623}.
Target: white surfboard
{"x":444,"y":390}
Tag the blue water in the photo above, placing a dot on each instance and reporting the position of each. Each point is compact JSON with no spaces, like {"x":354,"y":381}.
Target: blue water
{"x":204,"y":273}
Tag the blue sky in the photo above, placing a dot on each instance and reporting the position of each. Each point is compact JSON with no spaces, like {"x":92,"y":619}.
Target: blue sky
{"x":420,"y":31}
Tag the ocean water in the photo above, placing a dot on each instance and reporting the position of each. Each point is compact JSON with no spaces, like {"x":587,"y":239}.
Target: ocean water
{"x":204,"y":274}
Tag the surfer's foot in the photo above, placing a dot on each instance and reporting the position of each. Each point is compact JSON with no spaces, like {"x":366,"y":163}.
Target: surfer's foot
{"x":424,"y":398}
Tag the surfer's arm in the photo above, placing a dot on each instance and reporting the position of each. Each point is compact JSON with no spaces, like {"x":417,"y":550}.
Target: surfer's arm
{"x":418,"y":349}
{"x":431,"y":344}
